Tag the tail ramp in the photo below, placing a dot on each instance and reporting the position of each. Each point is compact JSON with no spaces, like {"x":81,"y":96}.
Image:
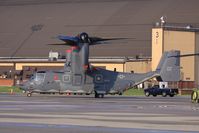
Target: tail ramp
{"x":169,"y":66}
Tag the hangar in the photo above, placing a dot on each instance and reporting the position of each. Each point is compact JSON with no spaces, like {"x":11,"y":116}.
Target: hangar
{"x":178,"y":37}
{"x":121,"y":18}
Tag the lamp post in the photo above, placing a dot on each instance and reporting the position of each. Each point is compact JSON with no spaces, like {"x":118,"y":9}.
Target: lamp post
{"x":34,"y":28}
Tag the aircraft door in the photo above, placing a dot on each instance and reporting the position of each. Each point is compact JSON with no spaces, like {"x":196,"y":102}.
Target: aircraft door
{"x":52,"y":82}
{"x":36,"y":81}
{"x":39,"y":78}
{"x":77,"y":80}
{"x":89,"y":85}
{"x":99,"y":84}
{"x":67,"y":79}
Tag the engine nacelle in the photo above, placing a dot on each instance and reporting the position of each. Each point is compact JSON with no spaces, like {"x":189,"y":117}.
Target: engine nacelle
{"x":84,"y":38}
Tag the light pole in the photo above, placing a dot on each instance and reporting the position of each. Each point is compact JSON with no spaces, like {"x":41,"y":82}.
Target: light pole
{"x":34,"y":28}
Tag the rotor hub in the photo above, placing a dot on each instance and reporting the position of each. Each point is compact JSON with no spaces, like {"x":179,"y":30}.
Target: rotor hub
{"x":84,"y":38}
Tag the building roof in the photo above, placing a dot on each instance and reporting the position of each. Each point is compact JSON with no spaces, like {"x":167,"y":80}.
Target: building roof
{"x":131,"y":19}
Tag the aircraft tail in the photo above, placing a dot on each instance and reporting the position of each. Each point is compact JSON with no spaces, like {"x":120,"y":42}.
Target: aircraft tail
{"x":169,"y":66}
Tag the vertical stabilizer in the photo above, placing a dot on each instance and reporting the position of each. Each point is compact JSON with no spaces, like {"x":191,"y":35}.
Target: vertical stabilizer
{"x":169,"y":66}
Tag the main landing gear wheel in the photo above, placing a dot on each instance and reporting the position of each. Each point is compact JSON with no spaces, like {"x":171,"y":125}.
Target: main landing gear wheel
{"x":194,"y":96}
{"x":29,"y":94}
{"x":99,"y":95}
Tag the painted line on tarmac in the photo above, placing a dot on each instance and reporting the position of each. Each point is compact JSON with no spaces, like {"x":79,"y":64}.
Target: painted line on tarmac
{"x":90,"y":128}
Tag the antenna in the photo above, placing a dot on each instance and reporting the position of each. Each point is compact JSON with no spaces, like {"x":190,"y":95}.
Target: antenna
{"x":162,"y":20}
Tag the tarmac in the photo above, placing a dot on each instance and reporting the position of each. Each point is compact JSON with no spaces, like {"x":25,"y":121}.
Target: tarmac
{"x":112,"y":114}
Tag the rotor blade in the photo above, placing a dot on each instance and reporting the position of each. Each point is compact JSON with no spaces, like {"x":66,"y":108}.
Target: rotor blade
{"x":97,"y":40}
{"x":74,"y":41}
{"x":59,"y":44}
{"x":186,"y":55}
{"x":68,"y":40}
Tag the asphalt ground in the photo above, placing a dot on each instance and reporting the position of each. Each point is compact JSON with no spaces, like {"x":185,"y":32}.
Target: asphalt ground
{"x":77,"y":114}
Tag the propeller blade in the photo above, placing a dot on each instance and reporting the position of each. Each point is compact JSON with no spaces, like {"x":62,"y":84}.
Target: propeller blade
{"x":97,"y":40}
{"x":84,"y":38}
{"x":68,"y":40}
{"x":58,"y":44}
{"x":186,"y":55}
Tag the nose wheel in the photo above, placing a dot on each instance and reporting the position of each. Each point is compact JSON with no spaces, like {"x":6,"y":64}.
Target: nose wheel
{"x":29,"y":94}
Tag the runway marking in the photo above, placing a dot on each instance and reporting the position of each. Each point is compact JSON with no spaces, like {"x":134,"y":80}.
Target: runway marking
{"x":112,"y":112}
{"x":154,"y":122}
{"x":112,"y":124}
{"x":29,"y":102}
{"x":9,"y":109}
{"x":102,"y":129}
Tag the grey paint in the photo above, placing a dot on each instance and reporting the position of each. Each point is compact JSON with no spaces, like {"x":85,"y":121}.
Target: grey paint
{"x":170,"y":66}
{"x":97,"y":80}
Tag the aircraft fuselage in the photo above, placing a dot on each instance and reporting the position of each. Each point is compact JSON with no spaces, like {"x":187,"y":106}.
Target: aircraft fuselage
{"x":98,"y":81}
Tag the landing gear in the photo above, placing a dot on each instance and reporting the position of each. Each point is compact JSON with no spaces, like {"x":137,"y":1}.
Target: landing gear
{"x":29,"y":94}
{"x":99,"y":95}
{"x":120,"y":93}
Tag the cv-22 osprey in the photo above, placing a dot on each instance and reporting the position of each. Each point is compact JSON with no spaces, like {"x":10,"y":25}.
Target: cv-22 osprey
{"x":78,"y":76}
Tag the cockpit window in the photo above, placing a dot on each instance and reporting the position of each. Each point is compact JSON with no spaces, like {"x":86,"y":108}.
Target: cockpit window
{"x":40,"y":77}
{"x":32,"y":77}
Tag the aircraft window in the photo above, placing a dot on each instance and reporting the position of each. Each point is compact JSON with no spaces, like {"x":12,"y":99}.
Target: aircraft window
{"x":41,"y":72}
{"x":66,"y":78}
{"x":32,"y":77}
{"x":40,"y":77}
{"x":77,"y":79}
{"x":98,"y":78}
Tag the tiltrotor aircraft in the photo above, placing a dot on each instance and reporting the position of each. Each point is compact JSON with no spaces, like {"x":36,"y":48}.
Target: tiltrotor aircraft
{"x":78,"y":76}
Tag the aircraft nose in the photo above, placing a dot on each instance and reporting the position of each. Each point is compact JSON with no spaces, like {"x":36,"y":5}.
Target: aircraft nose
{"x":23,"y":86}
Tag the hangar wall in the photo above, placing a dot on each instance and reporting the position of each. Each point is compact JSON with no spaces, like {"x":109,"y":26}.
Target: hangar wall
{"x":19,"y":66}
{"x":157,"y":47}
{"x":13,"y":66}
{"x":138,"y":66}
{"x":185,"y":42}
{"x":119,"y":67}
{"x":6,"y":64}
{"x":171,"y":39}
